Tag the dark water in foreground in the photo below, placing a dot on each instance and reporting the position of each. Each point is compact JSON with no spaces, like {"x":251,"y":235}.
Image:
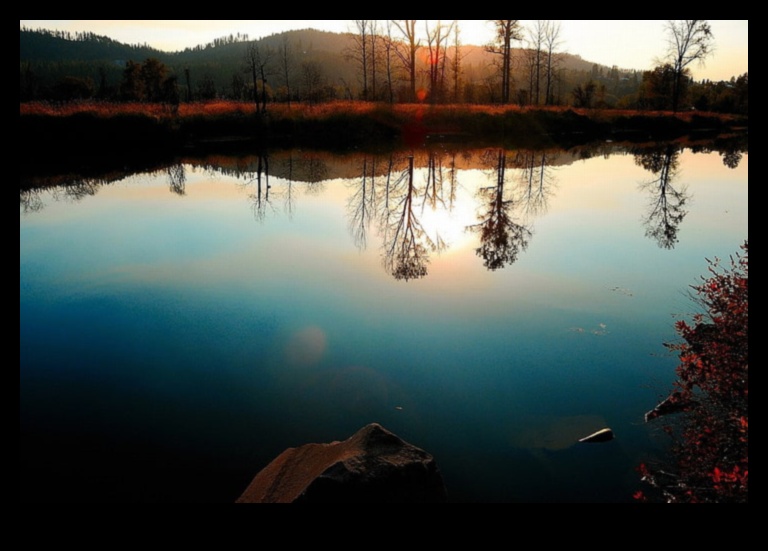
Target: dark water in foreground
{"x":179,"y":329}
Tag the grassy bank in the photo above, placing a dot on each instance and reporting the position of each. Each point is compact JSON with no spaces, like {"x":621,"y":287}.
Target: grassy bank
{"x":344,"y":124}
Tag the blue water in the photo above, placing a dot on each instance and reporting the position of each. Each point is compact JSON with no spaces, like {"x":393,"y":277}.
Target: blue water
{"x":172,"y":345}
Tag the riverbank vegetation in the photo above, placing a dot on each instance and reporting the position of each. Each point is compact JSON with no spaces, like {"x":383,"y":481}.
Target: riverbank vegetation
{"x":344,"y":124}
{"x":710,"y":402}
{"x":392,"y":61}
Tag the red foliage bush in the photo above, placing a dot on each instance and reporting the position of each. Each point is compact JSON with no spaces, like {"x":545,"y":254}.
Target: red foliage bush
{"x":710,"y":437}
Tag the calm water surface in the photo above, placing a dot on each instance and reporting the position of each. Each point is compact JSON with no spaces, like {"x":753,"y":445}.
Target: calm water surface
{"x":179,"y":329}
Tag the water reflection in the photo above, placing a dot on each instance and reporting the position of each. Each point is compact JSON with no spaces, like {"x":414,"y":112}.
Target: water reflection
{"x":666,"y":208}
{"x":177,"y":179}
{"x":170,"y":330}
{"x":406,"y":244}
{"x":501,"y":236}
{"x":30,"y":200}
{"x":416,"y":204}
{"x":362,"y":203}
{"x":537,"y":180}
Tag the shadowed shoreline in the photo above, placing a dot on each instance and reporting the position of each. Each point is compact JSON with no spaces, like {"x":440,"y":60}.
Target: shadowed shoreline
{"x":343,"y":125}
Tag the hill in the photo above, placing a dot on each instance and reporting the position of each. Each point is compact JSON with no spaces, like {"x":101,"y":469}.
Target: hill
{"x":217,"y":69}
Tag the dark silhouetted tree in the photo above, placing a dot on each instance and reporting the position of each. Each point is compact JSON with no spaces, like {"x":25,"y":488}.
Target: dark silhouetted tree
{"x":388,"y":47}
{"x":437,"y":45}
{"x":456,"y":63}
{"x":506,"y":31}
{"x":73,"y":88}
{"x":658,"y":88}
{"x":287,"y":62}
{"x":258,"y":65}
{"x":132,"y":87}
{"x":407,"y":54}
{"x":360,"y":53}
{"x":206,"y":88}
{"x":153,"y":74}
{"x":688,"y":41}
{"x":537,"y":55}
{"x":312,"y":78}
{"x":552,"y":42}
{"x":584,"y":95}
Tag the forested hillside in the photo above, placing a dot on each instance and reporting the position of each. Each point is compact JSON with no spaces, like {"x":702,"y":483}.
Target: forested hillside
{"x":311,"y":65}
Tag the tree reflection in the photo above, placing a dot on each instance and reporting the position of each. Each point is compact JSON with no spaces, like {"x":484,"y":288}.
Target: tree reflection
{"x":536,"y":180}
{"x":30,"y":200}
{"x":260,"y":199}
{"x":177,"y":179}
{"x":501,"y":237}
{"x":316,"y":172}
{"x":362,"y":203}
{"x":666,"y":210}
{"x":406,"y":243}
{"x":77,"y":190}
{"x":732,"y":158}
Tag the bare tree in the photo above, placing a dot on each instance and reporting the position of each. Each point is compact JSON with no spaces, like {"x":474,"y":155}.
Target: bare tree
{"x":312,"y":77}
{"x":257,"y":64}
{"x":437,"y":42}
{"x":375,"y":38}
{"x":506,"y":31}
{"x":456,"y":59}
{"x":389,"y":51}
{"x":551,"y":44}
{"x":688,"y":40}
{"x":408,"y":56}
{"x":360,"y":53}
{"x":286,"y":65}
{"x":536,"y":38}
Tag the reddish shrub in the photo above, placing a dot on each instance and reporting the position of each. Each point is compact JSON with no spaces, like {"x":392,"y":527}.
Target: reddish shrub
{"x":710,"y":437}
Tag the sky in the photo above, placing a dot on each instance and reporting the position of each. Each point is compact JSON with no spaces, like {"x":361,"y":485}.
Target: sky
{"x":629,"y":44}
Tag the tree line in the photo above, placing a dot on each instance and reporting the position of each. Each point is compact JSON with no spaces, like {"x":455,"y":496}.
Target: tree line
{"x":397,"y":61}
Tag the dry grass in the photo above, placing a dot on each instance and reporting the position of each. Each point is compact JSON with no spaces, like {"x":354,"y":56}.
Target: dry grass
{"x":323,"y":110}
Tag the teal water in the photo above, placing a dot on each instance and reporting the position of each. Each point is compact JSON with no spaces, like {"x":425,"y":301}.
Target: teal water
{"x":179,"y":329}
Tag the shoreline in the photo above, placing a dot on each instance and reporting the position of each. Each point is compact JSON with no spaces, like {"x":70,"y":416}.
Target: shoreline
{"x":343,"y":125}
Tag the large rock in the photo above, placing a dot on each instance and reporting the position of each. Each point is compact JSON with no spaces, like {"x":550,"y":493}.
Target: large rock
{"x":373,"y":466}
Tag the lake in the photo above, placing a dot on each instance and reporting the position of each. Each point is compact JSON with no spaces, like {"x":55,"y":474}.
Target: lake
{"x":182,"y":326}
